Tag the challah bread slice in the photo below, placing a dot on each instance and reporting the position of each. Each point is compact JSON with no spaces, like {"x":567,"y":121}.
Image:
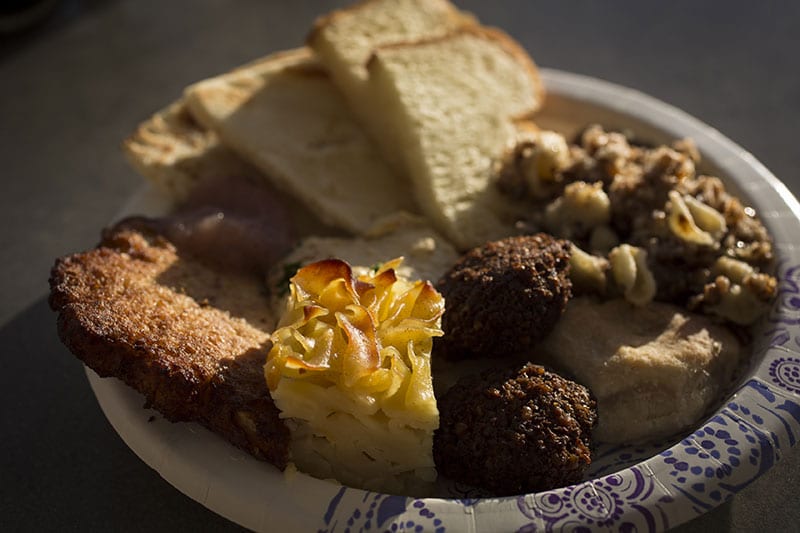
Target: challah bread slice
{"x":345,"y":39}
{"x":448,"y":108}
{"x":286,"y":117}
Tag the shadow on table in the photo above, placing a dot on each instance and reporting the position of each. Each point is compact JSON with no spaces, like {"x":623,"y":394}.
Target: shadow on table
{"x":718,"y":519}
{"x":63,"y":466}
{"x":22,"y":22}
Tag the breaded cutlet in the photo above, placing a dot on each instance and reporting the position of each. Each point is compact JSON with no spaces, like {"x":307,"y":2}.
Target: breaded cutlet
{"x":191,"y":339}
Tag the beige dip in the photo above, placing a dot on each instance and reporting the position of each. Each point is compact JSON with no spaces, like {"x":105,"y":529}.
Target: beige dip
{"x":655,"y":370}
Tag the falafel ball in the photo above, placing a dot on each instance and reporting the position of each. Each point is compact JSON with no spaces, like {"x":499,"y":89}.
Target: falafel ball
{"x":515,"y":430}
{"x":504,"y":297}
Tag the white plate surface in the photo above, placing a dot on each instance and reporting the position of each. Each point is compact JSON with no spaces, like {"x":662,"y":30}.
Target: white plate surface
{"x":634,"y":489}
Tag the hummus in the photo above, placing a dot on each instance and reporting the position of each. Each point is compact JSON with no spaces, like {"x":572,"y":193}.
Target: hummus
{"x":655,"y":370}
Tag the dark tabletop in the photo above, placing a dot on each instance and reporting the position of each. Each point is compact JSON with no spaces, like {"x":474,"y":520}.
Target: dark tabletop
{"x":74,"y":87}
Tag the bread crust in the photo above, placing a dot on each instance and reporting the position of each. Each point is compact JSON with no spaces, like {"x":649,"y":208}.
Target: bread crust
{"x":329,"y":19}
{"x":130,"y":309}
{"x":490,"y":34}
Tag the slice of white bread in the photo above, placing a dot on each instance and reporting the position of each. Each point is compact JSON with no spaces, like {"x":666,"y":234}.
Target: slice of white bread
{"x":345,"y":39}
{"x":286,"y":117}
{"x":174,"y":153}
{"x":447,"y":107}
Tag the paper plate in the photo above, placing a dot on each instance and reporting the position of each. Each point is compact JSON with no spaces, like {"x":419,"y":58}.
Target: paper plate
{"x":630,"y":488}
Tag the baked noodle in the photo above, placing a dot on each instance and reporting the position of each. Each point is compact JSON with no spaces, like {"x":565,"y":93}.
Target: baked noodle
{"x":350,"y":370}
